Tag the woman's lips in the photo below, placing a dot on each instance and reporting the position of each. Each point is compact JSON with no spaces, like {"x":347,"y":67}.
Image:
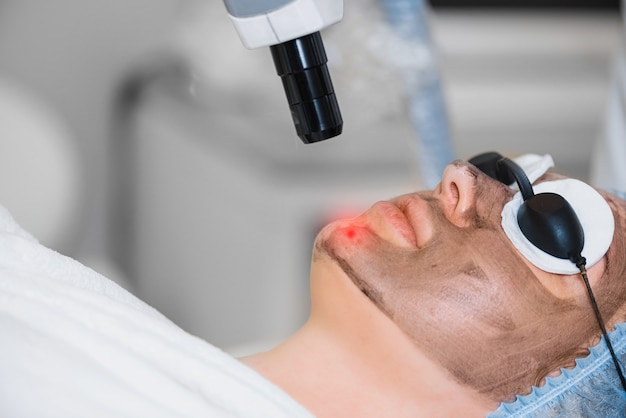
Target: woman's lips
{"x":395,"y":223}
{"x":417,"y":212}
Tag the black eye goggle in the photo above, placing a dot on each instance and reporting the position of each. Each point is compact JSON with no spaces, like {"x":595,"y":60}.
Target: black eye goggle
{"x":546,"y":219}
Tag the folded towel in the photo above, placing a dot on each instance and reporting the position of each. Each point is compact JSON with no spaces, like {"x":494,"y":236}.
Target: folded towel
{"x":75,"y":344}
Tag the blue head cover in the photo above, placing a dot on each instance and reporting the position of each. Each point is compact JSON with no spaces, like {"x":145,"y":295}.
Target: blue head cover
{"x":591,"y":389}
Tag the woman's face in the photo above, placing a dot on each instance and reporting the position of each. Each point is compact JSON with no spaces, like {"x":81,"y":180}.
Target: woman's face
{"x":440,"y":266}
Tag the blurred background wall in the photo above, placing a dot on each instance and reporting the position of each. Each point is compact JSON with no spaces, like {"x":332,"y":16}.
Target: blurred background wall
{"x":141,"y":138}
{"x":60,"y":65}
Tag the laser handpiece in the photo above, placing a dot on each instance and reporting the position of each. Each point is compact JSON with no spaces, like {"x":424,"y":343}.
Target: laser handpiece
{"x":291,"y":29}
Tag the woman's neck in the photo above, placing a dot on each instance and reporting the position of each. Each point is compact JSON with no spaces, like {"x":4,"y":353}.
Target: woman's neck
{"x":354,"y":361}
{"x":332,"y":379}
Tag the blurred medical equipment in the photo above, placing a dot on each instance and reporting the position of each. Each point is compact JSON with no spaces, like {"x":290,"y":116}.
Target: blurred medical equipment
{"x":291,"y":29}
{"x":413,"y":54}
{"x":214,"y":208}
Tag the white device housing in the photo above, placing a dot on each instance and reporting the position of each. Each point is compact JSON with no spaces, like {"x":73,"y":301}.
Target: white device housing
{"x":295,"y":19}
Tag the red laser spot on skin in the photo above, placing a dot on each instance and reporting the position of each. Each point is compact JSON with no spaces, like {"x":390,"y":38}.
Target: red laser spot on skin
{"x":350,"y":233}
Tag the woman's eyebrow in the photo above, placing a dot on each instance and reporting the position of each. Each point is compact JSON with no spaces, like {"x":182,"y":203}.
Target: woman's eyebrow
{"x":473,"y":170}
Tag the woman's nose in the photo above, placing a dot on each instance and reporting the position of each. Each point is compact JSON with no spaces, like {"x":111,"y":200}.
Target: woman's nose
{"x":458,"y":189}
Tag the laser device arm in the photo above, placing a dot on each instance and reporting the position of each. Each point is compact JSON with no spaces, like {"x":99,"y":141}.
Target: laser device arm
{"x":291,"y":28}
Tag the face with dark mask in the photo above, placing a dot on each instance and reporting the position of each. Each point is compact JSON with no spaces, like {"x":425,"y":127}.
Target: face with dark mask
{"x":440,"y":266}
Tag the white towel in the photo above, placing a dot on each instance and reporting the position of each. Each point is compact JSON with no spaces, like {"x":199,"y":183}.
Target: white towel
{"x":75,"y":344}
